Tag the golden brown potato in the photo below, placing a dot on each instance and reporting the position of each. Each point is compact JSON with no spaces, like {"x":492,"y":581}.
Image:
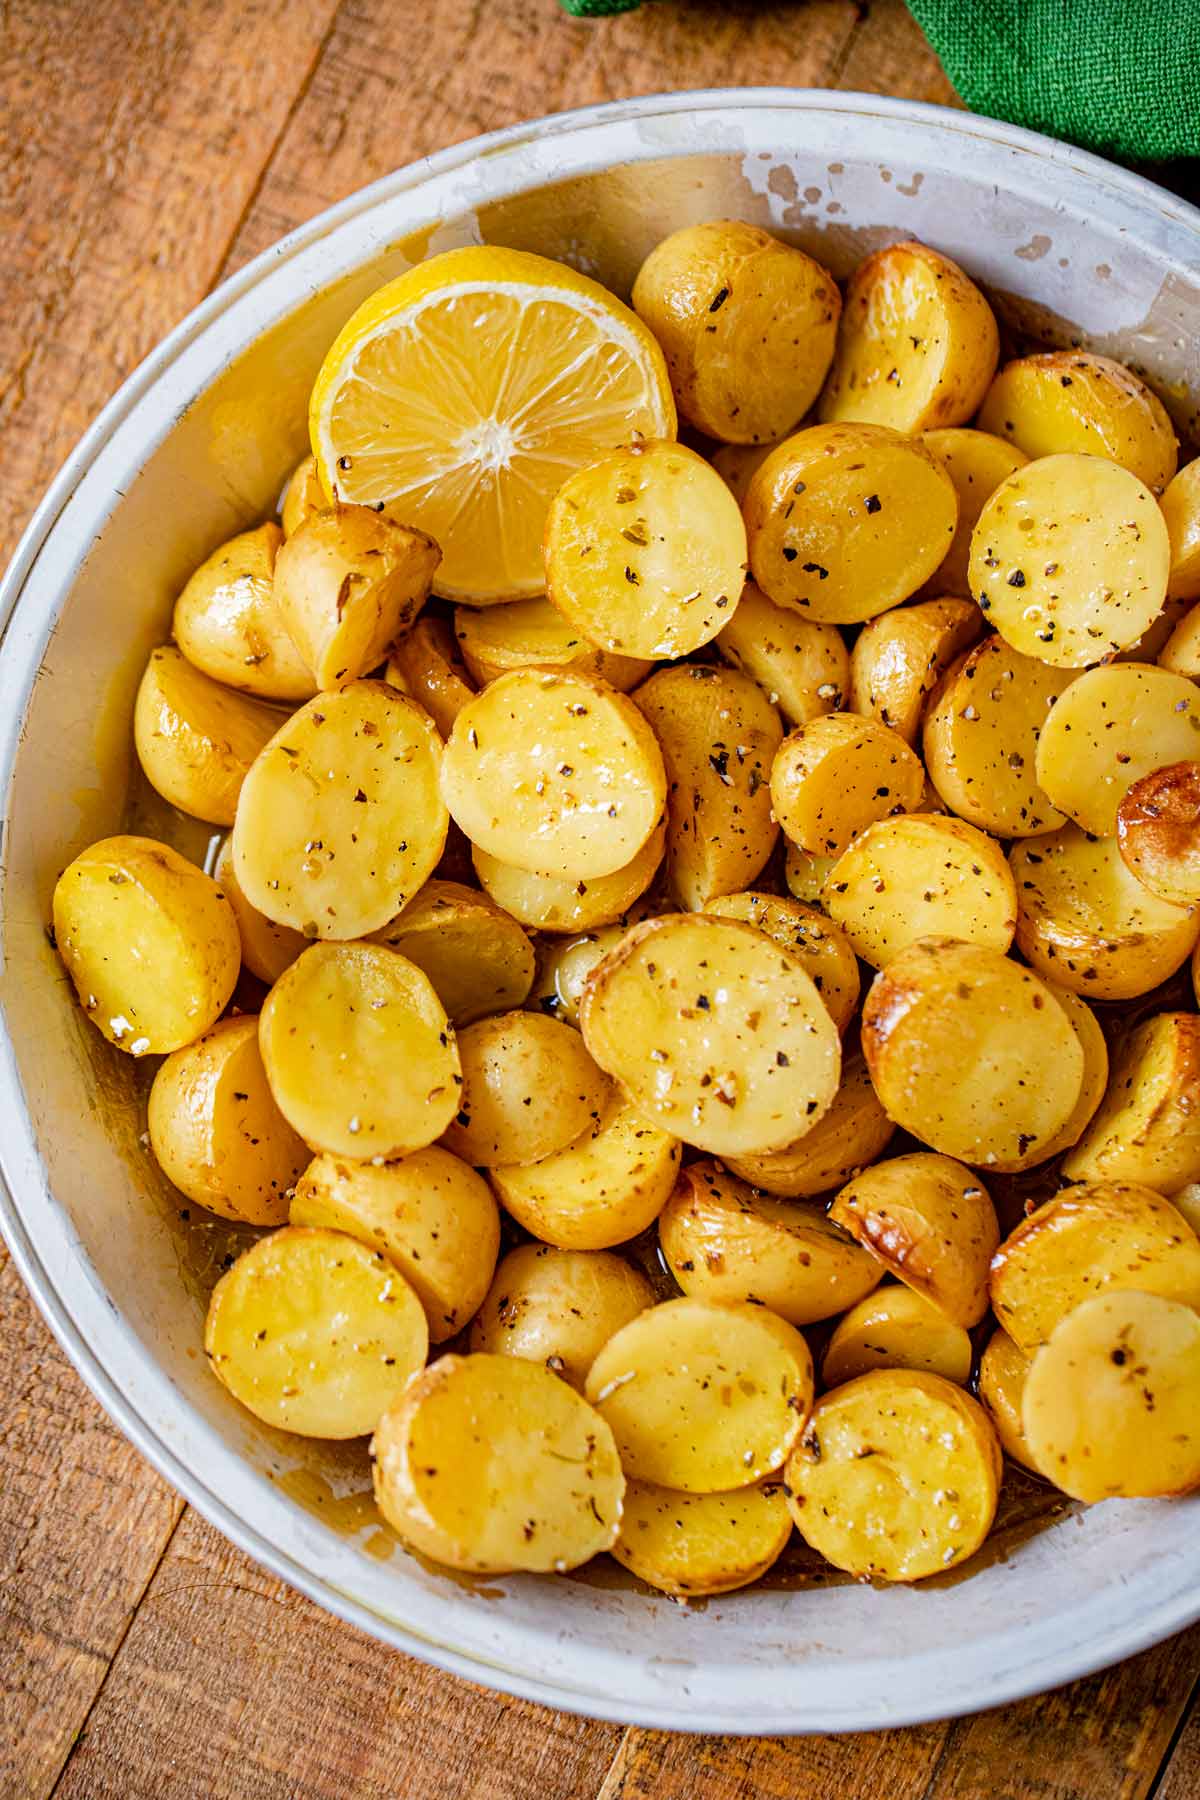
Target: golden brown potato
{"x":227,"y":623}
{"x":718,"y":734}
{"x":1094,"y":1045}
{"x":971,"y":1053}
{"x":899,"y":658}
{"x":845,"y":521}
{"x":844,"y":1140}
{"x":1085,"y":921}
{"x":564,"y":964}
{"x":803,"y":668}
{"x":1147,"y":1129}
{"x":1158,"y":832}
{"x":714,"y":1031}
{"x":559,"y":1307}
{"x":689,"y":1545}
{"x":267,"y":948}
{"x":923,"y":875}
{"x":646,"y":551}
{"x":428,"y":1213}
{"x":1181,"y":652}
{"x":1003,"y":1372}
{"x":1096,"y":1236}
{"x":747,"y":324}
{"x":837,"y":775}
{"x":821,"y":945}
{"x":1109,"y":728}
{"x":976,"y":463}
{"x":1073,"y":400}
{"x":736,"y":463}
{"x":149,"y":941}
{"x":1188,"y":1202}
{"x":805,"y":874}
{"x":896,"y":1328}
{"x":532,"y":634}
{"x":347,"y":582}
{"x":424,"y":664}
{"x":930,"y":1222}
{"x":477,"y":957}
{"x":1181,"y":510}
{"x":195,"y":738}
{"x":1069,"y":560}
{"x":558,"y":904}
{"x":918,"y":343}
{"x":303,"y":496}
{"x":529,"y":1090}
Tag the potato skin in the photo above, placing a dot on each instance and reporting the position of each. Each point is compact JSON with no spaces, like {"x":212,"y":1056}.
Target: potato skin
{"x":803,"y":668}
{"x":837,"y":775}
{"x":227,"y":621}
{"x":532,"y":634}
{"x":1181,"y":510}
{"x":1074,"y":400}
{"x":689,"y":1545}
{"x":1158,"y":832}
{"x":477,"y":957}
{"x":557,"y":904}
{"x":196,"y":739}
{"x":425,"y":665}
{"x":820,"y":943}
{"x":559,"y":1307}
{"x":1147,"y":1129}
{"x":844,"y":1140}
{"x":896,"y":1328}
{"x":303,"y":496}
{"x":976,"y":463}
{"x":529,"y":1090}
{"x":1003,"y":1371}
{"x":899,"y":658}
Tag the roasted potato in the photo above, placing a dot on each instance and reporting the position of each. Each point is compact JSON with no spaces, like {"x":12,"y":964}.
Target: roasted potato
{"x":529,"y":1089}
{"x":532,"y":634}
{"x":196,"y":739}
{"x":425,"y":665}
{"x":555,"y":903}
{"x":821,"y":945}
{"x":844,"y":1140}
{"x":736,"y":463}
{"x":267,"y":948}
{"x":302,"y":496}
{"x":1181,"y":652}
{"x":896,"y":1328}
{"x":1003,"y":1372}
{"x":1074,"y":400}
{"x":1188,"y":1202}
{"x":899,"y":658}
{"x":1094,"y":1045}
{"x":837,"y":775}
{"x":227,"y":622}
{"x":918,"y":343}
{"x":1147,"y":1129}
{"x":1181,"y":510}
{"x":559,"y":1307}
{"x":1158,"y":831}
{"x":976,"y":463}
{"x":149,"y":941}
{"x":690,"y":1545}
{"x":804,"y":874}
{"x":477,"y":957}
{"x":803,"y":668}
{"x":564,"y":964}
{"x":1109,"y":728}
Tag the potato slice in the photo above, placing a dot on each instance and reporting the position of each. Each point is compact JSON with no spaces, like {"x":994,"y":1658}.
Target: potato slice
{"x":603,"y":1189}
{"x":1069,"y":560}
{"x":1107,"y":730}
{"x":532,"y":634}
{"x":1003,"y":1372}
{"x":899,"y":658}
{"x":690,"y":1545}
{"x":714,"y":1031}
{"x":845,"y":521}
{"x":923,"y":875}
{"x":149,"y":941}
{"x":1095,"y":1236}
{"x":804,"y":874}
{"x":736,"y":463}
{"x":359,"y":1052}
{"x":821,"y":945}
{"x":918,"y":343}
{"x":196,"y":739}
{"x":302,"y":496}
{"x":558,"y":774}
{"x":340,"y":821}
{"x":529,"y":1090}
{"x":646,"y":551}
{"x":930,"y":1222}
{"x":835,"y":776}
{"x":216,"y":1131}
{"x":896,"y":1477}
{"x":971,"y":1053}
{"x":718,"y":734}
{"x":425,"y":665}
{"x":844,"y":1140}
{"x":1094,"y":1045}
{"x":227,"y":622}
{"x":1181,"y":510}
{"x":1074,"y":400}
{"x":1148,"y":1128}
{"x":314,"y":1333}
{"x":541,"y":1491}
{"x":723,"y":1240}
{"x":1158,"y":831}
{"x":1181,"y":652}
{"x":747,"y":323}
{"x":558,"y":904}
{"x":559,"y":1307}
{"x":267,"y":948}
{"x":1087,"y":922}
{"x":1188,"y":1202}
{"x":981,"y":738}
{"x":802,"y":668}
{"x":564,"y":965}
{"x":702,"y":1396}
{"x":1110,"y":1401}
{"x":477,"y":957}
{"x":976,"y":463}
{"x":347,"y":582}
{"x":431,"y":1216}
{"x":896,"y":1328}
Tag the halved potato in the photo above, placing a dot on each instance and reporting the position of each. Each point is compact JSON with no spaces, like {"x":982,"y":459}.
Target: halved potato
{"x":359,"y":1052}
{"x":529,"y":1090}
{"x":216,"y":1131}
{"x":340,"y":821}
{"x":267,"y":948}
{"x":837,"y":775}
{"x":971,"y":1053}
{"x":424,"y":664}
{"x":724,"y":1240}
{"x":476,"y":955}
{"x":1181,"y":510}
{"x":899,"y":658}
{"x":542,"y":1492}
{"x":1074,"y":400}
{"x":702,"y":1396}
{"x":558,"y":904}
{"x":1109,"y":728}
{"x":923,"y":875}
{"x":1069,"y":560}
{"x":227,"y":622}
{"x":803,"y":668}
{"x":603,"y":1189}
{"x":896,"y":1328}
{"x":149,"y":941}
{"x":844,"y":1140}
{"x":1147,"y":1129}
{"x":559,"y":1307}
{"x":821,"y":945}
{"x":689,"y":1545}
{"x":1094,"y":1045}
{"x":558,"y":774}
{"x":845,"y":521}
{"x":1003,"y":1372}
{"x":918,"y":343}
{"x":976,"y":463}
{"x":1086,"y":922}
{"x":805,"y":874}
{"x":1098,"y":1235}
{"x":1181,"y":652}
{"x":314,"y":1333}
{"x":718,"y":734}
{"x":429,"y":1214}
{"x":1110,"y":1401}
{"x":714,"y":1031}
{"x":564,"y":964}
{"x":646,"y":551}
{"x":896,"y":1477}
{"x":1158,"y":832}
{"x":532,"y":634}
{"x":195,"y":738}
{"x":303,"y":496}
{"x":930,"y":1222}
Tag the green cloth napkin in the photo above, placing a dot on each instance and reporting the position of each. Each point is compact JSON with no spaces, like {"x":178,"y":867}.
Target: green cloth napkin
{"x":1119,"y":76}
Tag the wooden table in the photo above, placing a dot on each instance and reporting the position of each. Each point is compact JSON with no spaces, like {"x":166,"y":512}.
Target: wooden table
{"x":149,"y":147}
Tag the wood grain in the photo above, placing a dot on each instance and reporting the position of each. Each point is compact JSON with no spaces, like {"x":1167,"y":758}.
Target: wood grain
{"x":1181,"y":1778}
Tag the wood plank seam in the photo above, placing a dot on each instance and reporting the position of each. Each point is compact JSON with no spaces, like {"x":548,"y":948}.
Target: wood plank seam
{"x":1190,"y":1711}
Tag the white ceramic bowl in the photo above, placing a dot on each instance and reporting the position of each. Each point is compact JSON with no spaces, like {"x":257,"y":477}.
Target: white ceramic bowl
{"x":195,"y":446}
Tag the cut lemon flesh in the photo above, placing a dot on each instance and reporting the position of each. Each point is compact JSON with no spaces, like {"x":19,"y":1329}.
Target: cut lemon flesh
{"x":462,"y":395}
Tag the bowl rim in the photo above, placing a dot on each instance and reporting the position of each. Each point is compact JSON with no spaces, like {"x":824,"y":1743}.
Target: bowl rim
{"x":1143,"y":1627}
